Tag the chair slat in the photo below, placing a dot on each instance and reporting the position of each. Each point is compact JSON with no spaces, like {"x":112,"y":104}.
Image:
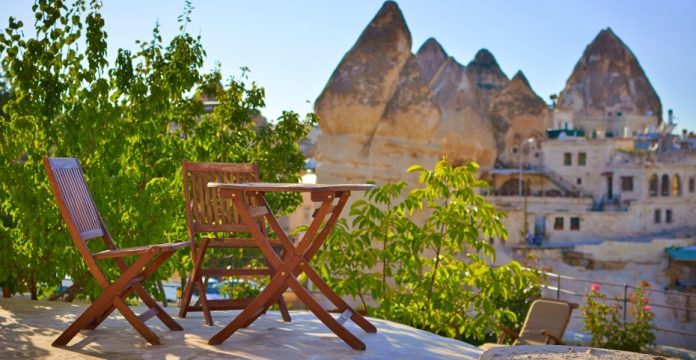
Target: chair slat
{"x":210,"y":211}
{"x":196,"y":195}
{"x":214,"y":199}
{"x":78,"y":201}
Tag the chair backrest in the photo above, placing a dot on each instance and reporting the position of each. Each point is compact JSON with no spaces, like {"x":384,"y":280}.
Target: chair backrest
{"x":75,"y":202}
{"x":545,"y":314}
{"x":206,"y":210}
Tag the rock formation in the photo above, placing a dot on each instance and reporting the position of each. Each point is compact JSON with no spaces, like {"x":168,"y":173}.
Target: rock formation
{"x":516,"y":114}
{"x":608,"y":79}
{"x":385,"y":108}
{"x":463,"y":94}
{"x":358,"y":91}
{"x":376,"y":113}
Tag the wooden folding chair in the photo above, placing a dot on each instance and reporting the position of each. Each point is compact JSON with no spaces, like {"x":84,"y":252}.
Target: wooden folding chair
{"x":84,"y":223}
{"x":545,"y":324}
{"x":209,"y":214}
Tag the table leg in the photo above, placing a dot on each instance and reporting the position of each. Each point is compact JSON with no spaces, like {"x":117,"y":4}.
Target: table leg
{"x":253,"y":309}
{"x":336,"y":300}
{"x":325,"y":317}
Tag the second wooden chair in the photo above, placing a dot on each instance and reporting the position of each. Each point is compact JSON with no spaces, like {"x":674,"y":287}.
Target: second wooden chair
{"x":212,"y":216}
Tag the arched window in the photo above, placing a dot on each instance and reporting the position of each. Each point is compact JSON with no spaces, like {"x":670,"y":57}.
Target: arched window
{"x":664,"y":185}
{"x":653,"y":185}
{"x":676,"y":186}
{"x":511,"y":187}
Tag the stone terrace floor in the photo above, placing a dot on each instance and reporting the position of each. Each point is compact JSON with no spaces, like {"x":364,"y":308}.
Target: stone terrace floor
{"x":27,"y":329}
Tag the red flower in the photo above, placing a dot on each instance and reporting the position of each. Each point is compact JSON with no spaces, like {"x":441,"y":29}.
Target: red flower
{"x":595,"y":287}
{"x":647,"y":308}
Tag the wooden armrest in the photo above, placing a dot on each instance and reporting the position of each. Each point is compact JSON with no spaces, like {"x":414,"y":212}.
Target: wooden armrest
{"x":117,"y":253}
{"x":509,"y":332}
{"x":550,"y":336}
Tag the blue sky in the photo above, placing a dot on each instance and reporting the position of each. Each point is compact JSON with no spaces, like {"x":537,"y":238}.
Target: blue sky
{"x":292,"y":47}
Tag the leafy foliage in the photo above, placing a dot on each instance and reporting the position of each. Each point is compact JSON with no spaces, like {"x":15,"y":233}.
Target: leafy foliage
{"x":604,"y":322}
{"x":130,"y":124}
{"x":424,"y":257}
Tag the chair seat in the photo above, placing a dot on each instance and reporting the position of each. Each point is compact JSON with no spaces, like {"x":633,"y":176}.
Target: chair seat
{"x":238,"y":243}
{"x":106,"y":254}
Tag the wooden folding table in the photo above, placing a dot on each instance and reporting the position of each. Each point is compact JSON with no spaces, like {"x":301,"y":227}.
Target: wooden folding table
{"x":297,"y":256}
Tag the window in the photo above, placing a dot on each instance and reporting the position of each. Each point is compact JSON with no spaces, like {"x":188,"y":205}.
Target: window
{"x":575,"y":223}
{"x":664,"y":185}
{"x":676,"y":185}
{"x":668,"y":216}
{"x":578,"y":181}
{"x":567,"y":159}
{"x":558,"y":223}
{"x":627,"y":183}
{"x":514,"y":150}
{"x":582,"y":159}
{"x":609,"y":113}
{"x":692,"y":184}
{"x":658,"y":216}
{"x":618,"y":113}
{"x":652,"y":188}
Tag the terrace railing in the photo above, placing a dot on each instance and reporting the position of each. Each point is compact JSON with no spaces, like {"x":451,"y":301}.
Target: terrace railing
{"x":560,"y":286}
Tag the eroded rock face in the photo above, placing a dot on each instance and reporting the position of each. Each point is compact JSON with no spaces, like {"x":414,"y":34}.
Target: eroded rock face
{"x":385,"y":108}
{"x":377,"y":114}
{"x":608,"y":78}
{"x":464,"y":94}
{"x":517,"y":113}
{"x":358,"y":91}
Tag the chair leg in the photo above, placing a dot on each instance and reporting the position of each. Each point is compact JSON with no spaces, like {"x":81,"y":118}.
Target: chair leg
{"x":80,"y":323}
{"x":251,"y":311}
{"x":161,"y":314}
{"x":104,"y":301}
{"x":204,"y":302}
{"x":133,"y":319}
{"x":186,"y":296}
{"x":100,"y":318}
{"x":281,"y":302}
{"x":283,"y":309}
{"x":193,"y":279}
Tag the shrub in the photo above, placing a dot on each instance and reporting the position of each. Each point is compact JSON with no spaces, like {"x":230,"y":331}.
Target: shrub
{"x":425,"y":257}
{"x":604,"y":322}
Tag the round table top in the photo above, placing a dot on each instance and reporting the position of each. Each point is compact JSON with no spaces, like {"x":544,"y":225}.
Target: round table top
{"x":291,"y":187}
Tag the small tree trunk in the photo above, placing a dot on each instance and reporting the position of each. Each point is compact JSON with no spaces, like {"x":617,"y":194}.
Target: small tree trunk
{"x":161,"y":289}
{"x":32,"y":287}
{"x":73,"y":291}
{"x":6,"y":293}
{"x":183,"y":278}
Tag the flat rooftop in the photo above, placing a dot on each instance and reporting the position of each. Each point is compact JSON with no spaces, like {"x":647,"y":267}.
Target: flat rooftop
{"x":27,"y":329}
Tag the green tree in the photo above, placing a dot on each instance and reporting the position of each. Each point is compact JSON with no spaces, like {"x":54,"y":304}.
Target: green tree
{"x":130,"y":124}
{"x":425,"y":259}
